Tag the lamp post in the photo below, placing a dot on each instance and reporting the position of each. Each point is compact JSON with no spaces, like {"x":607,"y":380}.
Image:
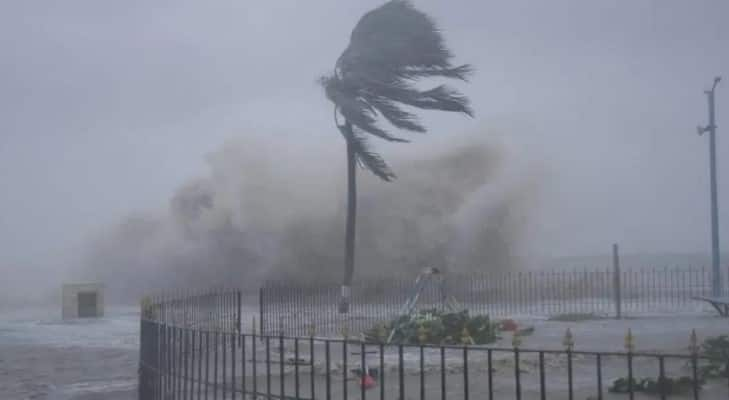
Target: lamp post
{"x":716,"y":287}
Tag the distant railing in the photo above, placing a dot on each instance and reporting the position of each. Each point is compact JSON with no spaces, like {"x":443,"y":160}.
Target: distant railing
{"x":290,"y":307}
{"x":193,"y":361}
{"x":215,"y":309}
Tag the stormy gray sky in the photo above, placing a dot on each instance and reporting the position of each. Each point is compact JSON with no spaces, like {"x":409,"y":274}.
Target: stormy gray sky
{"x":107,"y":107}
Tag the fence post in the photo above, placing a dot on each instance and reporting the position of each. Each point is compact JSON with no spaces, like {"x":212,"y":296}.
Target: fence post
{"x":616,"y":282}
{"x":238,"y":322}
{"x":260,"y":309}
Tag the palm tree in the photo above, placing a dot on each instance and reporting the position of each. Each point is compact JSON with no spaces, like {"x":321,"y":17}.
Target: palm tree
{"x":390,"y":49}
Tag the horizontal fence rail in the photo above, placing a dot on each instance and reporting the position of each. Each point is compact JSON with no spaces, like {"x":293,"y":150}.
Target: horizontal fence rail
{"x":296,"y":309}
{"x":187,"y":362}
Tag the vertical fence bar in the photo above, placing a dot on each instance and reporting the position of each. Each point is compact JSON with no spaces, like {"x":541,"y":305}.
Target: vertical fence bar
{"x":243,"y":362}
{"x":168,"y":352}
{"x":171,"y":359}
{"x":599,"y":377}
{"x":382,"y":371}
{"x":215,"y":363}
{"x":224,"y":339}
{"x":327,"y":362}
{"x":344,"y":367}
{"x":570,"y":383}
{"x":400,"y":371}
{"x":656,"y":293}
{"x":282,"y":382}
{"x":726,"y":366}
{"x":616,"y":282}
{"x":157,"y":359}
{"x":311,"y":358}
{"x":422,"y":375}
{"x":491,"y":374}
{"x":192,"y":362}
{"x":695,"y":370}
{"x":631,"y":393}
{"x":141,"y":392}
{"x":673,"y":293}
{"x":542,"y":380}
{"x":233,"y":342}
{"x":268,"y":367}
{"x":363,"y":369}
{"x":261,"y":306}
{"x":465,"y":373}
{"x":517,"y":374}
{"x":254,"y":364}
{"x":199,"y":364}
{"x":520,"y":295}
{"x":443,"y":374}
{"x":180,"y":359}
{"x":531,"y":292}
{"x":296,"y":368}
{"x":661,"y":378}
{"x":207,"y":363}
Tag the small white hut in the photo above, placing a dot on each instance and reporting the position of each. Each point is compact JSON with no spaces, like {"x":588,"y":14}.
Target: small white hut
{"x":83,"y":300}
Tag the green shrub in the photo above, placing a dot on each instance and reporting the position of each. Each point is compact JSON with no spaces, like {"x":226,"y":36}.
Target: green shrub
{"x":437,"y":327}
{"x":716,"y":349}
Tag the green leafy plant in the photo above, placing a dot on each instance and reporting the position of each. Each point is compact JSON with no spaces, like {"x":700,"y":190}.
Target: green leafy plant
{"x":716,"y":350}
{"x":438,"y":327}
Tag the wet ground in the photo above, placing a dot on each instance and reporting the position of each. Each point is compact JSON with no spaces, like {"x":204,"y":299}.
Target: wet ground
{"x":43,"y":357}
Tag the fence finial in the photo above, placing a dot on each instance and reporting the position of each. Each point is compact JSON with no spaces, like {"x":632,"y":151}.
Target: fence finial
{"x":466,"y":337}
{"x":147,"y":307}
{"x":569,"y":341}
{"x":694,"y":343}
{"x":423,"y":334}
{"x":381,"y":333}
{"x":629,"y":341}
{"x":516,"y":339}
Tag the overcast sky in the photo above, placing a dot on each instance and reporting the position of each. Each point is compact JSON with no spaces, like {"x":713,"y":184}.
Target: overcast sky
{"x":106,"y":107}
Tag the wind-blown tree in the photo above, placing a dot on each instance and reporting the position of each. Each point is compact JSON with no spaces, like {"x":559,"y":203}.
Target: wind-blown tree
{"x":391,"y":48}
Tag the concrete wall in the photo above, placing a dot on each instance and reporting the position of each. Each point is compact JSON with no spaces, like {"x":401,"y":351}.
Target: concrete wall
{"x":70,"y":298}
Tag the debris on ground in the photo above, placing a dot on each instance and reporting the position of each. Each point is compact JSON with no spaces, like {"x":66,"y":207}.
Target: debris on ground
{"x":665,"y":385}
{"x":509,"y":325}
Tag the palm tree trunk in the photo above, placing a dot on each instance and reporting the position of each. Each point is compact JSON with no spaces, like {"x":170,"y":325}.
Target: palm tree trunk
{"x":351,"y":223}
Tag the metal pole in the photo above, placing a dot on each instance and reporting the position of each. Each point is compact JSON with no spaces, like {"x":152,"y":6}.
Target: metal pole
{"x":616,"y":282}
{"x":716,"y":287}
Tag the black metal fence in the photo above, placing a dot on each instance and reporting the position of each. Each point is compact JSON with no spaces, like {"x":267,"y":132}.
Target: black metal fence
{"x":295,"y":309}
{"x":215,"y":309}
{"x":189,"y":362}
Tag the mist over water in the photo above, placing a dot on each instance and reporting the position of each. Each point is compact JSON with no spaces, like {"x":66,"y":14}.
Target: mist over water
{"x":267,"y":211}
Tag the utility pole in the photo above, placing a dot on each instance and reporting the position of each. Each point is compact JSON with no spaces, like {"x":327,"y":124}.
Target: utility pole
{"x":716,"y":287}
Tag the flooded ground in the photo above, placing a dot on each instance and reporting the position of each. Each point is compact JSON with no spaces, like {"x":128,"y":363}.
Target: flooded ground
{"x":43,"y":357}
